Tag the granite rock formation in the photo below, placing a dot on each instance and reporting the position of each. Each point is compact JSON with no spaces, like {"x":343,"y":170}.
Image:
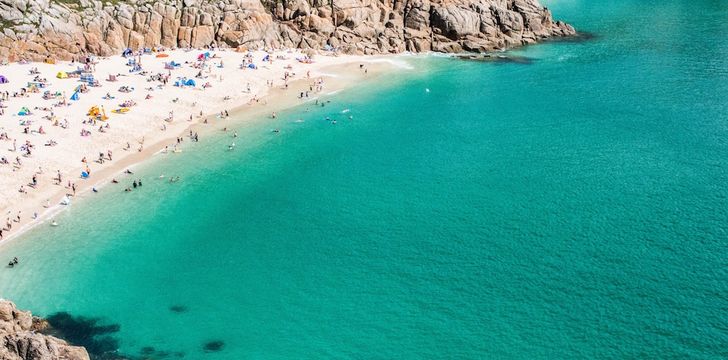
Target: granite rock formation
{"x":35,"y":29}
{"x":20,"y":340}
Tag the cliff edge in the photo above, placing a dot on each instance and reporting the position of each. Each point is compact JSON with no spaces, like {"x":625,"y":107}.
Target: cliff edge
{"x":35,"y":29}
{"x":20,"y":341}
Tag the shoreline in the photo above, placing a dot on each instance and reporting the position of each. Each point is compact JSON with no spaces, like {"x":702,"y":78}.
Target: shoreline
{"x":338,"y":76}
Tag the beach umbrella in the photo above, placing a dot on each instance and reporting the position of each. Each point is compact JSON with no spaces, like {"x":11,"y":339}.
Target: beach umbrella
{"x":162,"y":55}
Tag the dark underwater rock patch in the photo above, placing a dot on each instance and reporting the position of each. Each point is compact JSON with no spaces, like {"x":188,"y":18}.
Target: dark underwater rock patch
{"x":496,"y":58}
{"x":88,"y":332}
{"x":213,"y":346}
{"x":178,"y":309}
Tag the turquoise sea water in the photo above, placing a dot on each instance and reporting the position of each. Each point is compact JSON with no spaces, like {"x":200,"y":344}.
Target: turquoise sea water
{"x":572,"y":207}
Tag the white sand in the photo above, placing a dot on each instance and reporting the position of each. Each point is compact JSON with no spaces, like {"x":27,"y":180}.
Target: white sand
{"x":143,"y":122}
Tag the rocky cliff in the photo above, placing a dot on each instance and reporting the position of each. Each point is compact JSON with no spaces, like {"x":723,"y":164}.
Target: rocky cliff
{"x":20,"y":341}
{"x":64,"y":28}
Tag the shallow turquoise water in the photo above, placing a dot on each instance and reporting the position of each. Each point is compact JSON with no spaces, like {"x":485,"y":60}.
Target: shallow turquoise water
{"x":573,"y":207}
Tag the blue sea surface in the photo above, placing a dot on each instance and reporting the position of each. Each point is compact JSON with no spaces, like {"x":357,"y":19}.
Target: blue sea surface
{"x":575,"y":206}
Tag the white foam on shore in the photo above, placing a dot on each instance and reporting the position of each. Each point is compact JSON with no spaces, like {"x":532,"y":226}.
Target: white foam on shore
{"x":402,"y":64}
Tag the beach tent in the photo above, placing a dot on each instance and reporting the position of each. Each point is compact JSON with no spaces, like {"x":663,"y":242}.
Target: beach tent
{"x":93,"y":111}
{"x":190,"y":82}
{"x":252,"y":66}
{"x":24,"y":111}
{"x":126,"y":52}
{"x":62,"y":75}
{"x":75,"y":96}
{"x":266,"y":57}
{"x":3,"y":79}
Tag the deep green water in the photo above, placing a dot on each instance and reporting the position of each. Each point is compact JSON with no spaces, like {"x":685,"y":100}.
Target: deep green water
{"x":573,"y":207}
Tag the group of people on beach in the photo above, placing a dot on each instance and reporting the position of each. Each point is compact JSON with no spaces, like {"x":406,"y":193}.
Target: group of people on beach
{"x":96,"y":123}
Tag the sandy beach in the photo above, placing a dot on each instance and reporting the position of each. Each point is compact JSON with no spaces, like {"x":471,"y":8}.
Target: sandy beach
{"x":48,"y":126}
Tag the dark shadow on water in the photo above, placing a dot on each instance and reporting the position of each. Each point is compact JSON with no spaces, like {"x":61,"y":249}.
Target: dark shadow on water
{"x":97,"y":337}
{"x":178,"y":309}
{"x":579,"y":37}
{"x":496,"y":58}
{"x":88,"y":332}
{"x":213,"y":346}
